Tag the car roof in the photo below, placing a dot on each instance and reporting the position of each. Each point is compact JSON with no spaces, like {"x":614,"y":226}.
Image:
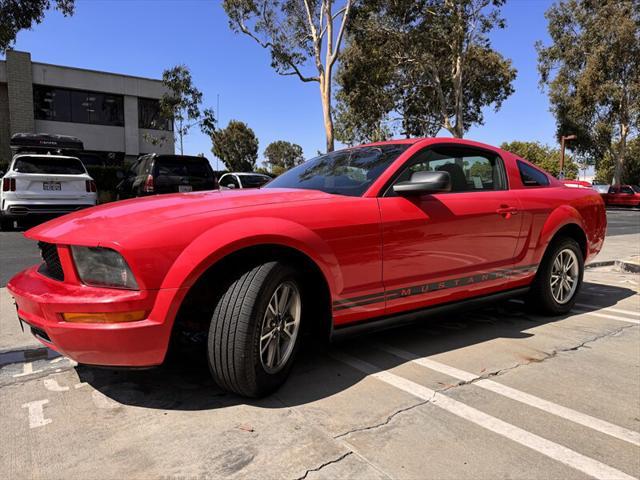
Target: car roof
{"x":431,"y":141}
{"x":43,"y":155}
{"x":244,"y":174}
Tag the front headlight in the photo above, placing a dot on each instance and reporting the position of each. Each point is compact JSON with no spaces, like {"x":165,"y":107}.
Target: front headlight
{"x":103,"y":267}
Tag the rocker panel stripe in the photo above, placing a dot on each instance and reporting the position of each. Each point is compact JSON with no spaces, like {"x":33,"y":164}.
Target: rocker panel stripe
{"x":430,"y":287}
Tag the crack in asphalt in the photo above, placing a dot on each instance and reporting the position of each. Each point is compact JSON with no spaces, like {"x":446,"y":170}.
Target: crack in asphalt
{"x":548,"y":355}
{"x":320,"y":467}
{"x":388,"y":419}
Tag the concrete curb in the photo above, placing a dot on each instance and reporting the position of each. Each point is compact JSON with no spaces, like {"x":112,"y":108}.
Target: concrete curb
{"x":21,"y":348}
{"x":621,"y":264}
{"x":26,"y":354}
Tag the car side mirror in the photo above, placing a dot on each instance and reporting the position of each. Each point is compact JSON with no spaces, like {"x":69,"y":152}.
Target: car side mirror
{"x":231,"y":185}
{"x":423,"y":183}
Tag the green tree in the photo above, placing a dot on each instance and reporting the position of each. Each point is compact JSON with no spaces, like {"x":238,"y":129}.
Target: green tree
{"x":282,"y":155}
{"x":592,"y":72}
{"x":237,"y":146}
{"x":16,"y":15}
{"x":631,"y":171}
{"x":297,"y":33}
{"x":543,"y":156}
{"x":417,"y":66}
{"x":181,"y":104}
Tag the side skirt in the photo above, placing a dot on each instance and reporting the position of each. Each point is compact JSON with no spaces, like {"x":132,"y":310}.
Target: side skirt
{"x":392,"y":321}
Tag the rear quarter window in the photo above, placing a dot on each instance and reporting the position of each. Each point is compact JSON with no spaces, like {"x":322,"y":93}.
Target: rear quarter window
{"x":532,"y":177}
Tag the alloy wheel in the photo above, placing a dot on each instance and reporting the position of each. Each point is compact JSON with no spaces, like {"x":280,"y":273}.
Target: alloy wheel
{"x":280,"y":326}
{"x":565,"y":274}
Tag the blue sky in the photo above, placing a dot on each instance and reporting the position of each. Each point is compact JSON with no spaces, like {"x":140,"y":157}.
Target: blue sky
{"x":143,"y":37}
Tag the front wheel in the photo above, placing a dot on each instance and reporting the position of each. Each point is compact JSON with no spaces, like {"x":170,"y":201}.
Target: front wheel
{"x":6,"y":224}
{"x":559,"y":278}
{"x":255,"y":330}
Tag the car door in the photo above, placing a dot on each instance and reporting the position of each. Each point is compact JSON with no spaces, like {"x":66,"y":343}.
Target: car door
{"x":626,"y":196}
{"x":449,"y":246}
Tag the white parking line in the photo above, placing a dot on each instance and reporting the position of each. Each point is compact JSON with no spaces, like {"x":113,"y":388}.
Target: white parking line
{"x":53,"y":386}
{"x":36,"y":413}
{"x":581,"y":309}
{"x":519,"y":396}
{"x":606,"y":315}
{"x":27,"y":369}
{"x":608,"y":309}
{"x":548,"y":448}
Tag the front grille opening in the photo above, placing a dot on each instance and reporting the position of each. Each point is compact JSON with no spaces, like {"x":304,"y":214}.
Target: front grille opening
{"x":51,"y":267}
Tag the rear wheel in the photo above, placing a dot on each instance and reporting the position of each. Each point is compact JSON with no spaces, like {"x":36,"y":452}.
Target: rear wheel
{"x":559,"y":277}
{"x":255,"y":330}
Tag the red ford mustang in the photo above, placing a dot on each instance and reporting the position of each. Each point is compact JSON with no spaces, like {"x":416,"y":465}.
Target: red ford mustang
{"x":360,"y":238}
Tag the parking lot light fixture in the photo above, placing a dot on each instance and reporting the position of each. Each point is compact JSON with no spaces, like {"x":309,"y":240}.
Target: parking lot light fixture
{"x":563,"y":139}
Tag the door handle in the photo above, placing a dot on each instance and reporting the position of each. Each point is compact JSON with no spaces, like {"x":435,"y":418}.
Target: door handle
{"x":507,"y":211}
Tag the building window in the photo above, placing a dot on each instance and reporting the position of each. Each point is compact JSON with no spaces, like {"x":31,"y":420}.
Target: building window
{"x":149,"y":115}
{"x":78,"y":106}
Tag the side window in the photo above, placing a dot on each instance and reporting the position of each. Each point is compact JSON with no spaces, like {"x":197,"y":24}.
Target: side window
{"x":612,"y":190}
{"x":626,"y":190}
{"x":229,"y":181}
{"x":470,"y":170}
{"x":532,"y":177}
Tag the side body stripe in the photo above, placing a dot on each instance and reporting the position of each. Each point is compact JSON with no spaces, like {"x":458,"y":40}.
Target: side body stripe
{"x":431,"y":287}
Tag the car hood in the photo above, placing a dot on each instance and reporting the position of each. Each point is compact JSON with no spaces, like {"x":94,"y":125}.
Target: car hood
{"x":114,"y":221}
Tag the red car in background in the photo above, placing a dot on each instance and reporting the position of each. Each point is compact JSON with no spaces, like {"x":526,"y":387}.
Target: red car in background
{"x":359,"y":238}
{"x":577,"y":183}
{"x":623,"y":195}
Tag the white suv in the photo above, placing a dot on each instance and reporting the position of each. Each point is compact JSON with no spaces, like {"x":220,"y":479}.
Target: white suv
{"x":44,"y":185}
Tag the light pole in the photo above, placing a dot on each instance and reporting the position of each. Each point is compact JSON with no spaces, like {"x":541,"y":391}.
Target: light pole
{"x":564,"y":138}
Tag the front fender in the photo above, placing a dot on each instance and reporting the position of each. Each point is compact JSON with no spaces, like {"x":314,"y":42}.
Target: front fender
{"x":226,"y":238}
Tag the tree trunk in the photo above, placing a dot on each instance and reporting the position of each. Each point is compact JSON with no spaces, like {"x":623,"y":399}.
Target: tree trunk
{"x":325,"y":94}
{"x":457,"y":82}
{"x":619,"y":166}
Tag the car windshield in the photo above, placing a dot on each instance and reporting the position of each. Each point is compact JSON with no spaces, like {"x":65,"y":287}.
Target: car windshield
{"x":49,"y":165}
{"x":346,"y":172}
{"x":635,"y":188}
{"x":249,"y":181}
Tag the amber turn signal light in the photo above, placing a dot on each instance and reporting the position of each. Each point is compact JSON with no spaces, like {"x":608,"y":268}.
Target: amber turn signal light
{"x":104,"y":317}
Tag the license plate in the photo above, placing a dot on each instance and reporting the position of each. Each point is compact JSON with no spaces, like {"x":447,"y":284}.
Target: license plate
{"x":185,"y":188}
{"x":51,"y":186}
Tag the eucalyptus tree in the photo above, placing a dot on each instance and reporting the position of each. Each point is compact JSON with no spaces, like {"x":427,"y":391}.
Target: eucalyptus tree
{"x":301,"y":36}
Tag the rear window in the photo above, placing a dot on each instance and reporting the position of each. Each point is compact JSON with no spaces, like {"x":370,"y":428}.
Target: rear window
{"x":49,"y":165}
{"x":180,"y":167}
{"x":252,"y":181}
{"x":532,"y":177}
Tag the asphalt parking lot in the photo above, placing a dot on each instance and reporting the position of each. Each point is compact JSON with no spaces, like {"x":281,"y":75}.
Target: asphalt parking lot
{"x":497,"y":393}
{"x":494,"y":393}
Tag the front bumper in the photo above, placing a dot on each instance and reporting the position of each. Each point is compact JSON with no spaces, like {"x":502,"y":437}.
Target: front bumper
{"x":17,"y":210}
{"x":41,"y":301}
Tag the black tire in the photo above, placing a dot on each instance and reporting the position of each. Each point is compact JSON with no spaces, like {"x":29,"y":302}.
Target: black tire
{"x":233,"y":346}
{"x":6,"y":225}
{"x":541,"y":297}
